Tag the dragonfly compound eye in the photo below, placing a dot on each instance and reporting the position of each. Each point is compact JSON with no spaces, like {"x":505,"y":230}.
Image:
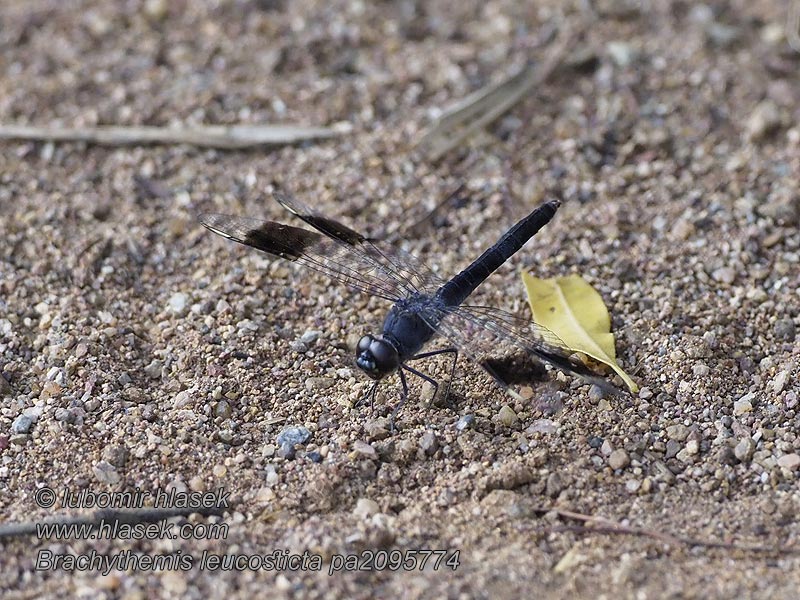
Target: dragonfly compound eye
{"x":376,"y":357}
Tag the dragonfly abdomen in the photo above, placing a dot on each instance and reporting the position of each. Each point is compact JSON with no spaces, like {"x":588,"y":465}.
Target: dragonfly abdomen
{"x":458,"y":289}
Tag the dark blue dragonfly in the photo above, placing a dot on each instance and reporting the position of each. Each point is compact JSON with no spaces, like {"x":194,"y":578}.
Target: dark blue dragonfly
{"x":424,"y":304}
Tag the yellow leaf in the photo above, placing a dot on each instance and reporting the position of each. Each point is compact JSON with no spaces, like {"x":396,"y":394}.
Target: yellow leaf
{"x":574,"y":311}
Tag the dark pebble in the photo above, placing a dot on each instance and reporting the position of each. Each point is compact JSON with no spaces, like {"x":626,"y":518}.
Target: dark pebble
{"x":747,"y":365}
{"x":314,"y":456}
{"x":286,"y":451}
{"x":673,"y":447}
{"x":595,"y":442}
{"x":726,"y":456}
{"x":785,"y":330}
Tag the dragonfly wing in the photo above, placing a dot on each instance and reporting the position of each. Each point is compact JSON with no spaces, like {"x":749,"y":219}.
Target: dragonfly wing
{"x":484,"y":333}
{"x":396,"y":264}
{"x":342,"y":259}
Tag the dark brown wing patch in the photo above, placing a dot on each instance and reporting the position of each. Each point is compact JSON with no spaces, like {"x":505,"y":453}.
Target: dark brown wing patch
{"x":281,"y":240}
{"x":274,"y":238}
{"x":329,"y":227}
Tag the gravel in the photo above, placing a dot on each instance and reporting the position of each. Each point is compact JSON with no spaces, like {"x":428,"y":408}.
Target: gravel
{"x":139,"y":351}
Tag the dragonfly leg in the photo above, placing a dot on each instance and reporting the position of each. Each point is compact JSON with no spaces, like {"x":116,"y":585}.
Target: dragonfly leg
{"x":452,"y":351}
{"x":400,"y":404}
{"x":369,"y":395}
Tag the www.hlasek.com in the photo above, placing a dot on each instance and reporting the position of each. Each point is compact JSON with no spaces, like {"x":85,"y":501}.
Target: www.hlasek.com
{"x":279,"y":560}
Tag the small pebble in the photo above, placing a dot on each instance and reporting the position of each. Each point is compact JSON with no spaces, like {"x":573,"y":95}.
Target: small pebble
{"x":22,"y":424}
{"x":789,"y":461}
{"x":179,"y":303}
{"x":606,"y":448}
{"x":672,"y":449}
{"x":692,"y":447}
{"x":685,"y":456}
{"x":365,"y":508}
{"x":555,"y":483}
{"x":722,"y":35}
{"x":376,"y":429}
{"x":743,"y":405}
{"x":364,"y":450}
{"x":726,"y":456}
{"x":116,"y":455}
{"x":779,"y":383}
{"x":764,"y":120}
{"x":310,"y":336}
{"x":785,"y":330}
{"x":223,"y":409}
{"x":429,"y":443}
{"x":105,"y":472}
{"x":153,"y":370}
{"x":293,"y":435}
{"x":744,"y":449}
{"x":465,"y":422}
{"x":506,"y":416}
{"x":632,"y":486}
{"x":314,"y":456}
{"x":247,"y":325}
{"x":621,"y":53}
{"x":724,"y":275}
{"x":286,"y":451}
{"x":319,"y":383}
{"x":5,"y":387}
{"x":619,"y":459}
{"x":597,"y":394}
{"x":546,"y":426}
{"x":678,"y":432}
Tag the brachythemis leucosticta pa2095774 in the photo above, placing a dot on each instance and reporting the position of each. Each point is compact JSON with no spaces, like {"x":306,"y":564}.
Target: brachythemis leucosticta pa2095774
{"x":424,"y":304}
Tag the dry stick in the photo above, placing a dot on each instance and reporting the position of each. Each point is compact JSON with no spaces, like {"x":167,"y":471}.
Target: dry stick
{"x":143,"y":515}
{"x":212,"y":136}
{"x":607,"y":526}
{"x":486,"y":105}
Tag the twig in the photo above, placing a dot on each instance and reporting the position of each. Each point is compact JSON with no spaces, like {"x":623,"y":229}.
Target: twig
{"x":213,"y":136}
{"x":143,"y":515}
{"x":486,"y":105}
{"x":602,"y":525}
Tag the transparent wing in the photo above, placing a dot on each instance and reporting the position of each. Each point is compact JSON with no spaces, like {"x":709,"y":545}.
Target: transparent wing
{"x":340,"y":259}
{"x":484,"y":333}
{"x":392,"y":262}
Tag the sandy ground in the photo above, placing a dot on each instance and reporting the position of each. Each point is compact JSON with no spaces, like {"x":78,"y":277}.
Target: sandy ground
{"x":142,"y":352}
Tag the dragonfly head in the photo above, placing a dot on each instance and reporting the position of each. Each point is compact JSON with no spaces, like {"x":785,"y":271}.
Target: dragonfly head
{"x":376,"y":356}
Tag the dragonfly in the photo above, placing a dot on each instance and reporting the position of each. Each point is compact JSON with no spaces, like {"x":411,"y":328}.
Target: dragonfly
{"x":424,"y":304}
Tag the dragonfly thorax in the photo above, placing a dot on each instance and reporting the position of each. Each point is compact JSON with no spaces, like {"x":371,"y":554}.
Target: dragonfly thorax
{"x":376,"y":356}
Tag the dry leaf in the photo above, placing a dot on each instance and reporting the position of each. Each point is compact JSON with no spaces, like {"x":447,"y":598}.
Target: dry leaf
{"x":574,"y":311}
